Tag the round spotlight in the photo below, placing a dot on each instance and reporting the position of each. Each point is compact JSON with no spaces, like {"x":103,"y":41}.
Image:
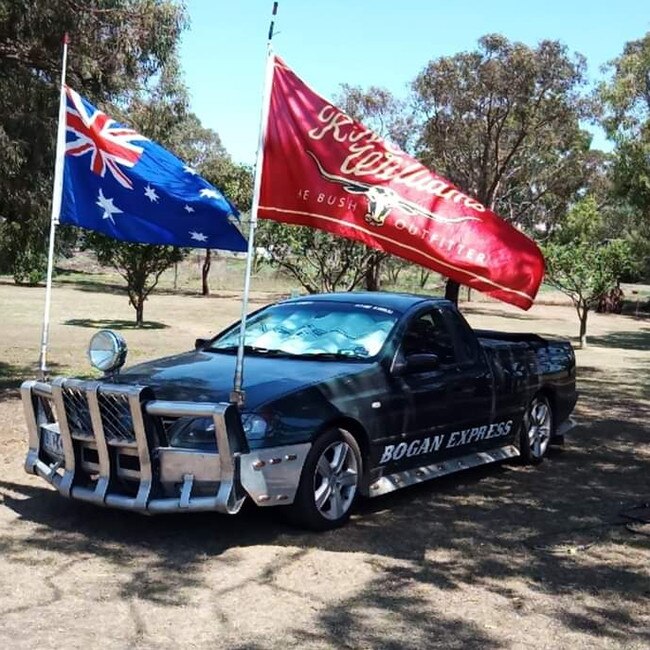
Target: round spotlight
{"x":107,"y":351}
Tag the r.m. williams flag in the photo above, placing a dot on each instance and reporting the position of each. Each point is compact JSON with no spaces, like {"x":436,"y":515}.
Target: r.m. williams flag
{"x":123,"y":185}
{"x":322,"y":169}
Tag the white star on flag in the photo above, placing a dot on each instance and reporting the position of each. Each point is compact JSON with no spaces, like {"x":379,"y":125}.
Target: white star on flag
{"x":198,"y":236}
{"x":107,"y":206}
{"x":151,"y":193}
{"x":209,"y":193}
{"x":189,"y":208}
{"x":189,"y":170}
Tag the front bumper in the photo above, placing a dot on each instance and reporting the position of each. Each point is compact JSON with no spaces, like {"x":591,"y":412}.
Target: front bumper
{"x":112,"y":451}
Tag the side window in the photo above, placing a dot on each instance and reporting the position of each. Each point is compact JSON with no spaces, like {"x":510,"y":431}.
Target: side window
{"x":465,"y":337}
{"x":428,"y":334}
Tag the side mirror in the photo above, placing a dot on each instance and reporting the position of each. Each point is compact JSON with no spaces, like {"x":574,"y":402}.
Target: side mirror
{"x":420,"y":363}
{"x":199,"y":344}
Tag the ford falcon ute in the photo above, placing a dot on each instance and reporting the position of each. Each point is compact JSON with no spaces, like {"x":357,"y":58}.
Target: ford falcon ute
{"x":347,"y":395}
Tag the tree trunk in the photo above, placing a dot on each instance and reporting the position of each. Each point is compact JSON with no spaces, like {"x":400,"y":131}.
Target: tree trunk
{"x":583,"y":326}
{"x":139,"y":313}
{"x":393,"y":273}
{"x":452,"y":288}
{"x":176,"y":276}
{"x":373,"y":269}
{"x":205,"y":272}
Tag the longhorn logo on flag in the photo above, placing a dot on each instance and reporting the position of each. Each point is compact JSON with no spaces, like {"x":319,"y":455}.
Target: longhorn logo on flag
{"x":121,"y":184}
{"x":322,"y":169}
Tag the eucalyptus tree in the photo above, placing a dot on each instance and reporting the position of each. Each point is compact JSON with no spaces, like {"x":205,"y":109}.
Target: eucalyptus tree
{"x":626,"y":117}
{"x":502,"y":122}
{"x":583,"y":262}
{"x":115,"y":48}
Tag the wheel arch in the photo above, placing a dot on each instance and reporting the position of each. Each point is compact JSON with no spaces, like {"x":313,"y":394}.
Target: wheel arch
{"x":355,"y":429}
{"x":304,"y":510}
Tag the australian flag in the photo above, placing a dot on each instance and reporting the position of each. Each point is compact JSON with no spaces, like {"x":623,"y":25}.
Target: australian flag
{"x":123,"y":185}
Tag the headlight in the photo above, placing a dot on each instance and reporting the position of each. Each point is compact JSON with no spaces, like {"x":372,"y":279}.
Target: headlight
{"x":107,"y":351}
{"x":254,"y":426}
{"x":198,"y":433}
{"x":193,"y":433}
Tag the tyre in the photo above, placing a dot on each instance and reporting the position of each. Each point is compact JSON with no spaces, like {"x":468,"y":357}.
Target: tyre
{"x":329,"y":484}
{"x":536,"y":430}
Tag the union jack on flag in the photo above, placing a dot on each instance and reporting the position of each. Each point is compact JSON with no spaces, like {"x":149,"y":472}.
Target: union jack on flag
{"x":109,"y":142}
{"x":147,"y":196}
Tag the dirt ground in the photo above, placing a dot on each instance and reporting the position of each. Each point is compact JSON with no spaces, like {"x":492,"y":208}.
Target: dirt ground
{"x":501,"y":557}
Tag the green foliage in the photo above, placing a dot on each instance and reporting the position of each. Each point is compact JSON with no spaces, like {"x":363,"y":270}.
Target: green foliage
{"x":318,"y":261}
{"x":236,"y":182}
{"x":22,"y":253}
{"x":115,"y":48}
{"x":18,"y":256}
{"x":586,"y":271}
{"x":379,"y":110}
{"x":583,"y":264}
{"x":631,"y":187}
{"x":502,"y":123}
{"x":29,"y":266}
{"x":626,"y":97}
{"x":233,"y":179}
{"x":583,"y":223}
{"x":626,"y":103}
{"x":141,"y":265}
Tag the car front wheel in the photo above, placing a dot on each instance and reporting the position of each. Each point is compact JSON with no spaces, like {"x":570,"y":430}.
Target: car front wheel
{"x":329,"y":484}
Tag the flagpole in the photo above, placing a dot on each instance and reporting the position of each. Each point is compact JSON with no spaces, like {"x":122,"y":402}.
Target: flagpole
{"x":237,"y":396}
{"x":57,"y":192}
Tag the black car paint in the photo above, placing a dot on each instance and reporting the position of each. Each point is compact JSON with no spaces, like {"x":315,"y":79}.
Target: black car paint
{"x":381,"y":404}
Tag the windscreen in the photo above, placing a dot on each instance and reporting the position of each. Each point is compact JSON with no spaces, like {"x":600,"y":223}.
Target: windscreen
{"x":305,"y":328}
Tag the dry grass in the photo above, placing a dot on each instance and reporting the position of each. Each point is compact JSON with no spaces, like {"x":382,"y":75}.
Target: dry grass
{"x":502,"y":557}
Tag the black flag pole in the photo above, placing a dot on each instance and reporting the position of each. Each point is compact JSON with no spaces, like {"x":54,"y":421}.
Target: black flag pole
{"x":237,"y":395}
{"x":57,"y":192}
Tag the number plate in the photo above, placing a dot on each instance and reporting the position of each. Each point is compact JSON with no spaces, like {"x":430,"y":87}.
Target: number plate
{"x":52,"y":442}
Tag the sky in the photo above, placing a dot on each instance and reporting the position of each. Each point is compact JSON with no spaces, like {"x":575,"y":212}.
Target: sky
{"x":372,"y":42}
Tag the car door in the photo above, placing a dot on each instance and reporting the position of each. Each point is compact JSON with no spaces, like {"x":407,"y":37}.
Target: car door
{"x":424,"y":367}
{"x":471,"y":396}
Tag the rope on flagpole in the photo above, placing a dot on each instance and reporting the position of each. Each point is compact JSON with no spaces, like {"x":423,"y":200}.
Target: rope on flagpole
{"x":57,"y":192}
{"x":237,"y":396}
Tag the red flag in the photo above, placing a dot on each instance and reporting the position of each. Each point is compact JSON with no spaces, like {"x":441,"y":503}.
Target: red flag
{"x":322,"y":169}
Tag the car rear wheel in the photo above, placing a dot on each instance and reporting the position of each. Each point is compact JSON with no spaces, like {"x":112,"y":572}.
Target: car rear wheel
{"x":329,"y":484}
{"x":536,"y":430}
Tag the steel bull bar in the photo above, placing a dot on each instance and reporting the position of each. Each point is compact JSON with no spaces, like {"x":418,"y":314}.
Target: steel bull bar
{"x":108,"y":451}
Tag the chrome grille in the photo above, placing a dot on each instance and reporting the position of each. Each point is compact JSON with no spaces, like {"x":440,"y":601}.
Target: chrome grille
{"x":116,"y":418}
{"x":77,"y":412}
{"x":44,"y":410}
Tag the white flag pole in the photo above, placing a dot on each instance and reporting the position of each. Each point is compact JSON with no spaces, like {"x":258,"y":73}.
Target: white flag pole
{"x":237,"y":396}
{"x":57,"y":193}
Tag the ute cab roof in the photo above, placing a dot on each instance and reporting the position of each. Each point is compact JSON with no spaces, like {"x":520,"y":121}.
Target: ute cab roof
{"x":398,"y":301}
